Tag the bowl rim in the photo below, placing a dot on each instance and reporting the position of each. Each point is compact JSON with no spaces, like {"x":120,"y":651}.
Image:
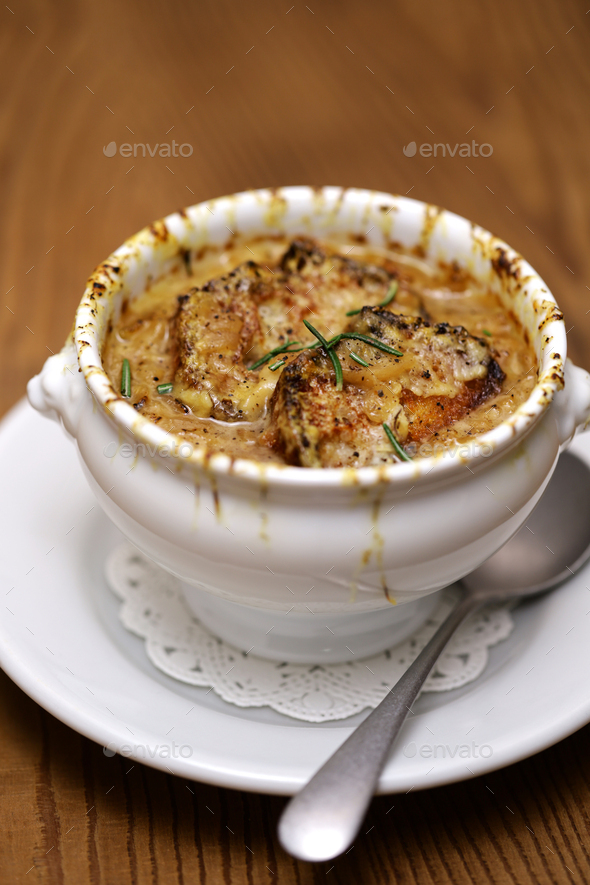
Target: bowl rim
{"x":161,"y":236}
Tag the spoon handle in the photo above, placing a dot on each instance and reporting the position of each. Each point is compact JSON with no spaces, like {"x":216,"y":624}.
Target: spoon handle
{"x":322,"y":820}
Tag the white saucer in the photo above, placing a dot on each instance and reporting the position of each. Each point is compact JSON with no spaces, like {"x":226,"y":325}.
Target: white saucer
{"x":62,"y":643}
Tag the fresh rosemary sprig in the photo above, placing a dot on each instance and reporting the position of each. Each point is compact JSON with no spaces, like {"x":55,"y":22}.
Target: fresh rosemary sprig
{"x":277,"y":365}
{"x":374,"y":342}
{"x":322,"y":342}
{"x":126,"y":379}
{"x":315,"y":344}
{"x":282,"y":348}
{"x":396,"y":446}
{"x":358,"y":359}
{"x":387,"y":300}
{"x":165,"y":388}
{"x":390,"y":295}
{"x":328,"y":346}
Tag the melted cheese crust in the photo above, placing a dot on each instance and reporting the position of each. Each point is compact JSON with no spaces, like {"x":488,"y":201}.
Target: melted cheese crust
{"x":146,"y":334}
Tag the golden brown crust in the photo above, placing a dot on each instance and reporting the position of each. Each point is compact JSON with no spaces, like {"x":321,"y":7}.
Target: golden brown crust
{"x":228,"y":324}
{"x":430,"y":414}
{"x":216,"y":326}
{"x":316,"y":425}
{"x":445,"y":389}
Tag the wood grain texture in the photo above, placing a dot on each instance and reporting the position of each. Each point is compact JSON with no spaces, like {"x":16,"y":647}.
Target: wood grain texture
{"x":269,"y":94}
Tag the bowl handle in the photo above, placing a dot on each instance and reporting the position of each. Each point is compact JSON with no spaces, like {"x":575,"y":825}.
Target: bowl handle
{"x":58,"y":390}
{"x":571,"y":406}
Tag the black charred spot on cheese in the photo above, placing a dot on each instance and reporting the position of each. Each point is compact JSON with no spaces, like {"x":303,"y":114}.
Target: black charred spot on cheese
{"x":140,"y":404}
{"x":301,"y":252}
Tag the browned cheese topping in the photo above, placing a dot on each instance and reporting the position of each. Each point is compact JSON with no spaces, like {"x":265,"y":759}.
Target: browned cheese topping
{"x":461,"y":365}
{"x":443,"y":373}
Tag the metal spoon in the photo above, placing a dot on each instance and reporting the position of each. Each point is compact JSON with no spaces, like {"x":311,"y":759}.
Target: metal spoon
{"x":322,"y":820}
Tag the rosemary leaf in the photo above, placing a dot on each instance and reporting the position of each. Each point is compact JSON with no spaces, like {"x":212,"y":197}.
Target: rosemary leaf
{"x":165,"y":388}
{"x":387,"y":300}
{"x":390,"y":295}
{"x":277,"y":365}
{"x":264,"y":359}
{"x":331,"y":343}
{"x":333,"y":357}
{"x":374,"y":342}
{"x":337,"y":369}
{"x":317,"y":334}
{"x":395,"y":444}
{"x":358,"y":359}
{"x":282,"y":348}
{"x":126,"y":379}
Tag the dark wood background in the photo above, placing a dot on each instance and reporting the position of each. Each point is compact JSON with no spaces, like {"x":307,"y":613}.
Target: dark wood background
{"x":270,"y":93}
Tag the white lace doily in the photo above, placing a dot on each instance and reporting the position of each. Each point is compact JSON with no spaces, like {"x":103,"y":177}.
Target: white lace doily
{"x":179,"y":645}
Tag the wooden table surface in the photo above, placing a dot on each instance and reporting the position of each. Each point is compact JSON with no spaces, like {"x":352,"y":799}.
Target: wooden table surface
{"x":269,"y":93}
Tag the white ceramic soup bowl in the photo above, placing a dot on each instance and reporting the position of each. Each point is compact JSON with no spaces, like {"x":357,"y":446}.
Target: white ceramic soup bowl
{"x":296,"y":563}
